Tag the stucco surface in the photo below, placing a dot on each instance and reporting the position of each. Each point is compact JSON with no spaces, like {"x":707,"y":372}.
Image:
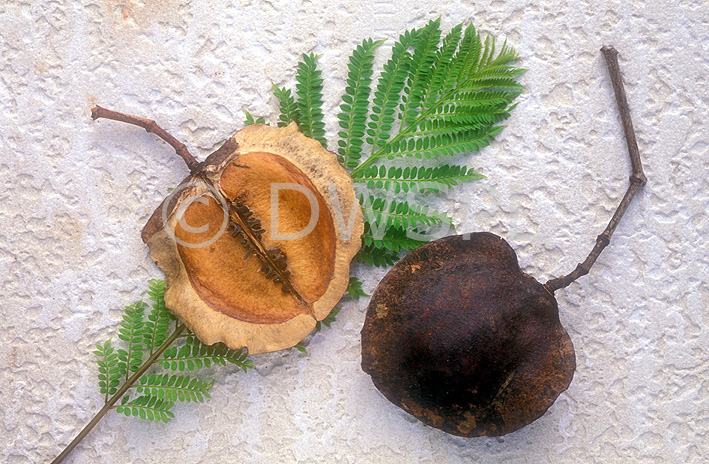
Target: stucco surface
{"x":75,"y":194}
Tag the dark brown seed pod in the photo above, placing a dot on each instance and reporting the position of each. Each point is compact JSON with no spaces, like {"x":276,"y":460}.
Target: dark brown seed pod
{"x":458,"y":336}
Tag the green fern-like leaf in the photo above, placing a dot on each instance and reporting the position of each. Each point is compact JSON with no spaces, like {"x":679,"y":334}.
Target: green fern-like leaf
{"x":394,"y":241}
{"x":310,"y":100}
{"x":159,"y":319}
{"x":354,"y":289}
{"x":429,"y":146}
{"x":250,"y":119}
{"x":435,"y":96}
{"x":420,"y":70}
{"x":131,"y":331}
{"x":147,"y":407}
{"x":287,"y":105}
{"x":196,"y":355}
{"x":388,"y":92}
{"x":416,"y":179}
{"x":452,"y":102}
{"x":392,"y":227}
{"x":355,"y":102}
{"x":443,"y":65}
{"x":456,"y":95}
{"x":109,"y":373}
{"x":329,"y":319}
{"x":378,"y":257}
{"x":300,"y":346}
{"x":175,"y":387}
{"x":381,"y":214}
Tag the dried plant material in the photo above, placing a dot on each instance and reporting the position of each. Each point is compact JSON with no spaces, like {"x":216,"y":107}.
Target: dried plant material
{"x":458,"y":336}
{"x":256,"y":244}
{"x":257,"y":241}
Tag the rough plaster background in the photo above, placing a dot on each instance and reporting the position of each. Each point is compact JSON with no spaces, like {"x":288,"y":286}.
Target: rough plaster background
{"x":75,"y":195}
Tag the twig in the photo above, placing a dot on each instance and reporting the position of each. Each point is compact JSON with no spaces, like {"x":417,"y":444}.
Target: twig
{"x":637,"y":178}
{"x":106,"y":407}
{"x":150,"y":126}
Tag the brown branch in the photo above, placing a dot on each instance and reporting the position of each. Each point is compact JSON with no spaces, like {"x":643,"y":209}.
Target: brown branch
{"x":150,"y":126}
{"x":637,"y":178}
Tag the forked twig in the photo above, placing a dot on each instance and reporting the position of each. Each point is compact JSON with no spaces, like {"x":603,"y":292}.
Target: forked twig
{"x":637,"y":178}
{"x":150,"y":126}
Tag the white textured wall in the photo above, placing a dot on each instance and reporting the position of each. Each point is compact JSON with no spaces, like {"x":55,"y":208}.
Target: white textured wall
{"x":75,"y":195}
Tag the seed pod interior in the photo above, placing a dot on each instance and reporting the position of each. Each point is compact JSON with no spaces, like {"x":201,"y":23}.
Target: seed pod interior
{"x":290,"y":225}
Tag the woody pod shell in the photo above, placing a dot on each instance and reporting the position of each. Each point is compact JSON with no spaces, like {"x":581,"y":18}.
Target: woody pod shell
{"x":233,"y":278}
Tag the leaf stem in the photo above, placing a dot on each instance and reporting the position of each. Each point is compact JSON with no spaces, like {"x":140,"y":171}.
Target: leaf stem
{"x":637,"y":178}
{"x":114,"y":399}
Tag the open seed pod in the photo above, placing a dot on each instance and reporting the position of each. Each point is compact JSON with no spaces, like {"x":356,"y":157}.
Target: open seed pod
{"x":458,"y":336}
{"x":256,"y":243}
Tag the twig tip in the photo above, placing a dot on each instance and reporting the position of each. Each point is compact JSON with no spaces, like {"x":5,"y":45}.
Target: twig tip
{"x":609,"y":50}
